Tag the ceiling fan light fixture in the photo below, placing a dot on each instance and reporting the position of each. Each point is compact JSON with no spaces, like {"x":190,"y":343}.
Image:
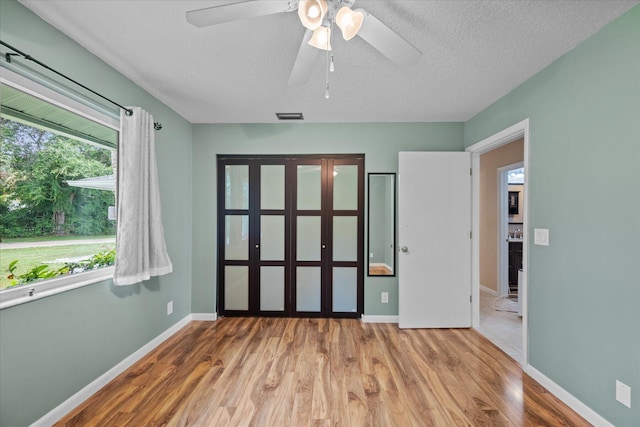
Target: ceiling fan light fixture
{"x":312,"y":13}
{"x":349,"y":22}
{"x":321,"y":38}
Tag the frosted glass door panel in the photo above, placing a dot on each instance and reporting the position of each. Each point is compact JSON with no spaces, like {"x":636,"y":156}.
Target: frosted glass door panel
{"x":345,"y":238}
{"x":345,"y":187}
{"x":308,"y":288}
{"x":308,"y":238}
{"x":236,"y":287}
{"x":345,"y":289}
{"x":272,"y":288}
{"x":272,"y":187}
{"x":236,"y":187}
{"x":309,"y":187}
{"x":236,"y":237}
{"x":272,"y":237}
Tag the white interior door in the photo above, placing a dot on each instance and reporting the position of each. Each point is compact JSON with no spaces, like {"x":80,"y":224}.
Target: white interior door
{"x":434,"y":200}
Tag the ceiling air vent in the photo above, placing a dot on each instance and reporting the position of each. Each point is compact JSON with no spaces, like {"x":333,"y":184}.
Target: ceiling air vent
{"x":289,"y":116}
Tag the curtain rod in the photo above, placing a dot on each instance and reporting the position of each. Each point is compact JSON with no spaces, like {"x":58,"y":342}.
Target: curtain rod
{"x":8,"y":55}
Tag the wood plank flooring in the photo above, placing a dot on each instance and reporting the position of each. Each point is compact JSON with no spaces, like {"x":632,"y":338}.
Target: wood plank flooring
{"x":322,"y":372}
{"x":379,"y":271}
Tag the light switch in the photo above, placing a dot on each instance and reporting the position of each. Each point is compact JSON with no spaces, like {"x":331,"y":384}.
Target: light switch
{"x":541,"y":236}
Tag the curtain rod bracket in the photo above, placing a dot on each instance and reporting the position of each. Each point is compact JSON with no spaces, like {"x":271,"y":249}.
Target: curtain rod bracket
{"x":157,"y":126}
{"x":8,"y":55}
{"x":128,"y":112}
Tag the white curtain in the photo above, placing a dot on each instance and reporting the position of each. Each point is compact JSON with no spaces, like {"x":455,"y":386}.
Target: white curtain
{"x":140,"y":247}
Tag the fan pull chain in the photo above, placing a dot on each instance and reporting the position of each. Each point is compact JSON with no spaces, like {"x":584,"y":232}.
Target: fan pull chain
{"x":326,"y":92}
{"x":330,"y":66}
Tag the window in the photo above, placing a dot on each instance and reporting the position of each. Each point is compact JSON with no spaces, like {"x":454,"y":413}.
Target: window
{"x":57,"y":209}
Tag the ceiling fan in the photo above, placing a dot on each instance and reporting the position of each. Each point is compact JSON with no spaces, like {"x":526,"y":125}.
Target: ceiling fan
{"x":318,"y":16}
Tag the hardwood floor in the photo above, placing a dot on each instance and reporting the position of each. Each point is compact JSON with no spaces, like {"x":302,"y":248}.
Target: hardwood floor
{"x":322,"y":372}
{"x":379,"y":271}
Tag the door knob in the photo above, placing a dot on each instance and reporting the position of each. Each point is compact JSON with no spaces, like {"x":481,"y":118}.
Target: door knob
{"x":404,"y":249}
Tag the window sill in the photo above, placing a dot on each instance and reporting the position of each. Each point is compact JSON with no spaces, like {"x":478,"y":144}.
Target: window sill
{"x":20,"y":294}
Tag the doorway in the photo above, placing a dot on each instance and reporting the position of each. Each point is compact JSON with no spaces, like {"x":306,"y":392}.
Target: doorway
{"x":486,"y":293}
{"x":291,"y":235}
{"x":510,"y":224}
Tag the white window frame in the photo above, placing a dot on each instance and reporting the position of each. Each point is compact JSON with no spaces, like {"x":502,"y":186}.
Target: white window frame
{"x":44,"y":288}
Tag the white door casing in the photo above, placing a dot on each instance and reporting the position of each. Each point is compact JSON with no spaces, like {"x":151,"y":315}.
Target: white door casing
{"x":505,"y":136}
{"x":434,"y":239}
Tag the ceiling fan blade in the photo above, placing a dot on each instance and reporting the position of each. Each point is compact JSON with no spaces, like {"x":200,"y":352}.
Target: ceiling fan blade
{"x":235,"y":12}
{"x":304,"y":61}
{"x":387,"y":41}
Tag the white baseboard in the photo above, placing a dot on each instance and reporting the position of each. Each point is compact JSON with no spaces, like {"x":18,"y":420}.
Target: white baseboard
{"x":206,"y":317}
{"x":71,"y":403}
{"x":379,"y":319}
{"x":489,"y":290}
{"x":570,"y":400}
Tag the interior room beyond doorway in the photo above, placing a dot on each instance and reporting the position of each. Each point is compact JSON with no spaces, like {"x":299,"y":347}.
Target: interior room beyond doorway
{"x":502,"y":230}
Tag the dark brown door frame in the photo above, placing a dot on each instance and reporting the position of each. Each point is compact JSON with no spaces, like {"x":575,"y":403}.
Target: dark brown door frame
{"x":359,"y":213}
{"x":254,"y":212}
{"x":222,"y":212}
{"x":255,"y":231}
{"x":311,"y":160}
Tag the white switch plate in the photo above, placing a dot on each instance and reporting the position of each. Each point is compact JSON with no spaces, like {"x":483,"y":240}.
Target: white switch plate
{"x":169,"y":307}
{"x":623,"y":394}
{"x":541,"y":236}
{"x":384,"y":297}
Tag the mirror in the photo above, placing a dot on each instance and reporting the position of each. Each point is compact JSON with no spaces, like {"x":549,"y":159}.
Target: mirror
{"x":381,"y":234}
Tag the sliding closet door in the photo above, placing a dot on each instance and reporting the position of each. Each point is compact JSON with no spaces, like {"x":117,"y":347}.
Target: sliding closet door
{"x":234,"y":240}
{"x":271,"y":271}
{"x":309,"y":244}
{"x":252,"y":234}
{"x":291,"y":236}
{"x":345,"y":221}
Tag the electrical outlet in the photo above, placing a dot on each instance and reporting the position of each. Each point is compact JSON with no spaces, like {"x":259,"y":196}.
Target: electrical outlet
{"x":384,"y":297}
{"x":370,"y":254}
{"x":623,"y":394}
{"x":169,"y":307}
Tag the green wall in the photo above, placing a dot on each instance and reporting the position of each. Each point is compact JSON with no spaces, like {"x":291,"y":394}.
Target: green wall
{"x":584,"y":289}
{"x":53,"y":347}
{"x":380,"y":142}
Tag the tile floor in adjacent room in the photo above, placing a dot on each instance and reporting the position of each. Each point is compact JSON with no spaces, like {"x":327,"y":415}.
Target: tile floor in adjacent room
{"x":502,"y":328}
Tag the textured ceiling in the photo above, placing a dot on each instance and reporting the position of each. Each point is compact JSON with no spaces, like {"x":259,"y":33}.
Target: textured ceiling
{"x":474,"y":52}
